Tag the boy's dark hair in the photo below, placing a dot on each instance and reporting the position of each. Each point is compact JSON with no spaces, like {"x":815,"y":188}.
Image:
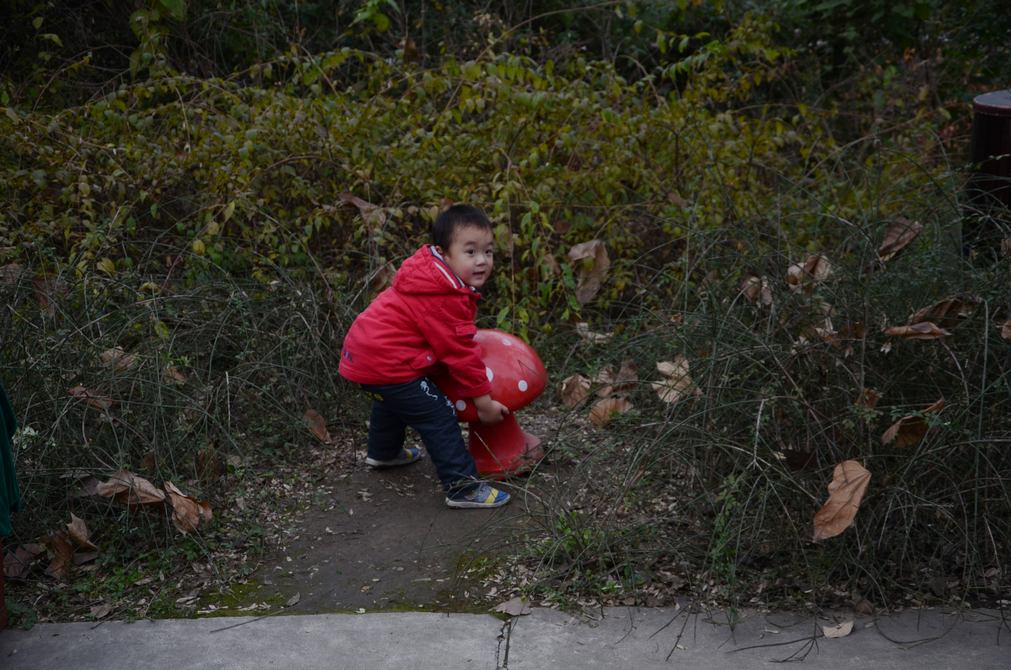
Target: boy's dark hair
{"x":457,"y":216}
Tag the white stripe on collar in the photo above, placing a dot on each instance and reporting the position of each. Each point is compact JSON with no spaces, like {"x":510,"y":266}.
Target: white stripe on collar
{"x":454,"y":281}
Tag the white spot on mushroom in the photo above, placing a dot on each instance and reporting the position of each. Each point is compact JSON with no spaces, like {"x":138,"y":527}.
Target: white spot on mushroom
{"x":523,"y":385}
{"x":489,"y":373}
{"x":506,"y":342}
{"x":461,"y":404}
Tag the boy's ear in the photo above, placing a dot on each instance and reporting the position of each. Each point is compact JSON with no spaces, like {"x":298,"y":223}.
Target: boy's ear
{"x":442,"y":252}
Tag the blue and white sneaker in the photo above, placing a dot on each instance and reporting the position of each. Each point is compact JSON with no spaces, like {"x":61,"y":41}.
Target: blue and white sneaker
{"x":481,"y":496}
{"x":407,"y":455}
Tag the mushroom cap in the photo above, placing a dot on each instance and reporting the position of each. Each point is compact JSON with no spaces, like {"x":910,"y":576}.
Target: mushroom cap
{"x":514,"y":369}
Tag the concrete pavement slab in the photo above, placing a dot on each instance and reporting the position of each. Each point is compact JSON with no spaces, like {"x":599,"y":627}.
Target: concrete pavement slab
{"x":620,"y":638}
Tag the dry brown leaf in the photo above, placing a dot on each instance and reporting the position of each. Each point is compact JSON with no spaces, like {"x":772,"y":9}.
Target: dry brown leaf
{"x":846,"y":490}
{"x":62,"y":552}
{"x":868,"y":398}
{"x":130,"y":489}
{"x":550,"y":265}
{"x":117,"y":359}
{"x":317,"y":426}
{"x":574,"y":390}
{"x":590,"y":278}
{"x":897,"y":237}
{"x":627,"y":377}
{"x":101,"y":611}
{"x":803,"y":276}
{"x":46,"y":288}
{"x":92,"y":398}
{"x":187,"y":512}
{"x":757,"y":290}
{"x":514,"y":607}
{"x":946,"y":313}
{"x":925,"y":330}
{"x":78,"y":532}
{"x":18,"y":563}
{"x":605,"y":409}
{"x":1005,"y":330}
{"x":82,"y":557}
{"x":584,"y":332}
{"x":382,"y":279}
{"x":839,"y":630}
{"x":209,"y":464}
{"x":11,"y":273}
{"x":175,"y":375}
{"x":372,"y":215}
{"x":910,"y":429}
{"x":677,"y":382}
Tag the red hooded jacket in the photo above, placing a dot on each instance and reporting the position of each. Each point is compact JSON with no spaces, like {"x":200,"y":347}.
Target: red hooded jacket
{"x":423,"y":321}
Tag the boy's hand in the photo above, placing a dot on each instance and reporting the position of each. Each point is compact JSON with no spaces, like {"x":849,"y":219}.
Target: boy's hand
{"x":488,"y":410}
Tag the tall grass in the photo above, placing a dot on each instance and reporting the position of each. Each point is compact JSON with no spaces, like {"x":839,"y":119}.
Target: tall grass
{"x":211,"y":371}
{"x":720,"y":489}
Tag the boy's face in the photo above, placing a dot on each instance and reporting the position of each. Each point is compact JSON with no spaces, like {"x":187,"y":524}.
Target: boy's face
{"x":470,"y":254}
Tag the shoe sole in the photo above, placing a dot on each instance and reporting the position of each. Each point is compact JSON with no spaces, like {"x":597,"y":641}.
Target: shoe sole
{"x":373,"y":463}
{"x":470,"y":504}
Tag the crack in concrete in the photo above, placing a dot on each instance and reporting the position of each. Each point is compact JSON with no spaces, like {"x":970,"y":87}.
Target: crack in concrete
{"x":504,"y":637}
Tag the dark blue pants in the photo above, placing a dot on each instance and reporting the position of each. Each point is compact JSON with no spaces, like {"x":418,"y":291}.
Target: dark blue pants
{"x":422,"y":406}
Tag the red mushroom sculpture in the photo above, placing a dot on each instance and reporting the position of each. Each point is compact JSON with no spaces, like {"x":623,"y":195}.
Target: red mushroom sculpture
{"x":517,"y":376}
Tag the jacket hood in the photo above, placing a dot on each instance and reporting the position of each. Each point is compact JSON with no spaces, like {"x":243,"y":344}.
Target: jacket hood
{"x":425,"y":272}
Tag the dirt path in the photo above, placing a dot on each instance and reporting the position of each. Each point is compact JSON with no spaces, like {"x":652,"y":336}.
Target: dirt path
{"x":387,"y":541}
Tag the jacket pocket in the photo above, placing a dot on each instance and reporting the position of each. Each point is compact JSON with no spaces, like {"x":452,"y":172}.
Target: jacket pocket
{"x":466,"y":330}
{"x":423,"y":360}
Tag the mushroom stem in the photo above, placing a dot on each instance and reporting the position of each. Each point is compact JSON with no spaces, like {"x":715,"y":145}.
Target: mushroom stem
{"x":504,"y":448}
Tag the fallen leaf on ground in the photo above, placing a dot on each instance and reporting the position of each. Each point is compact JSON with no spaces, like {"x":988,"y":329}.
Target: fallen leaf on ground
{"x":18,"y":563}
{"x":868,"y":398}
{"x":92,"y":398}
{"x":117,"y":359}
{"x":677,"y":382}
{"x":175,"y":375}
{"x":78,"y":531}
{"x":187,"y":512}
{"x":514,"y":607}
{"x":864,"y":606}
{"x":62,"y":551}
{"x":945,"y":314}
{"x":605,"y":409}
{"x":757,"y":290}
{"x":317,"y":426}
{"x":839,"y":630}
{"x":130,"y":489}
{"x":910,"y":429}
{"x":584,"y":332}
{"x":292,"y":601}
{"x":803,"y":276}
{"x":11,"y":273}
{"x":101,"y":611}
{"x":846,"y":491}
{"x":1005,"y":330}
{"x":925,"y":330}
{"x":82,"y":557}
{"x":574,"y":390}
{"x":897,"y":237}
{"x":590,"y":278}
{"x":627,"y":377}
{"x":210,"y":464}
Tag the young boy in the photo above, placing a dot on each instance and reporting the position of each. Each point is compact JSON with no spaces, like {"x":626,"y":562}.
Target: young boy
{"x":423,"y":321}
